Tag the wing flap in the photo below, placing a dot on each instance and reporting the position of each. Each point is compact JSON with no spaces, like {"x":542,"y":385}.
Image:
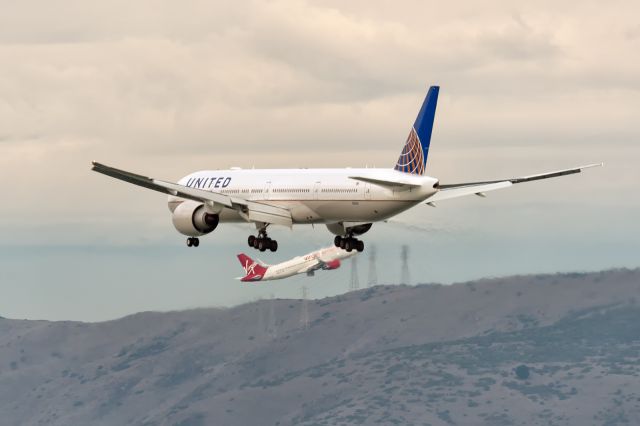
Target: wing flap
{"x":261,"y":216}
{"x":311,"y":268}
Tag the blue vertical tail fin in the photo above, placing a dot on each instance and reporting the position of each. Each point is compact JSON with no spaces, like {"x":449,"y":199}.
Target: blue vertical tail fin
{"x":413,"y":158}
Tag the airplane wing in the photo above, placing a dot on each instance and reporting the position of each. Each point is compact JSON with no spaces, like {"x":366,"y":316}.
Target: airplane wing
{"x":446,"y":192}
{"x":251,"y":211}
{"x":309,"y":270}
{"x":320,"y":264}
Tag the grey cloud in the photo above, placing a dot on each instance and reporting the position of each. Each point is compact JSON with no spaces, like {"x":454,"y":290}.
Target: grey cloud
{"x":517,"y":43}
{"x":76,"y":21}
{"x":166,"y":88}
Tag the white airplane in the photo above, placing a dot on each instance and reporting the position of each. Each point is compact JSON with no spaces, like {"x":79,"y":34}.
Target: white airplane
{"x":348,"y":201}
{"x":326,"y":258}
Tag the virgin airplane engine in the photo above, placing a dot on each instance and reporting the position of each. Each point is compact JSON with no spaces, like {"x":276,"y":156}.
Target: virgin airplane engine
{"x":191,"y":218}
{"x":332,"y":264}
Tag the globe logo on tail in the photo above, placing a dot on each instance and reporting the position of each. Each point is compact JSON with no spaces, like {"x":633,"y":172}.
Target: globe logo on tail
{"x":411,"y":159}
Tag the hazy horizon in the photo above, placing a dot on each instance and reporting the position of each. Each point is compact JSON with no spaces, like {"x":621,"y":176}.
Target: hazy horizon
{"x":166,"y":90}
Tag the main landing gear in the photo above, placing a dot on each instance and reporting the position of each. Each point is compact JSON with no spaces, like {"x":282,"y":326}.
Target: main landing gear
{"x":348,"y":243}
{"x":193,"y":242}
{"x":262,"y":242}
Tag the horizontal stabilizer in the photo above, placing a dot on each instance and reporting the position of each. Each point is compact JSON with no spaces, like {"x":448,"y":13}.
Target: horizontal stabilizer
{"x":387,"y":182}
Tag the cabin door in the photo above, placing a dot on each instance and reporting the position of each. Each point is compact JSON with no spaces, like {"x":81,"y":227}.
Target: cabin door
{"x":316,"y":190}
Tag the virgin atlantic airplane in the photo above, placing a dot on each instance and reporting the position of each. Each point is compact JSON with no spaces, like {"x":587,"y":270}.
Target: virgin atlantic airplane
{"x":324,"y":259}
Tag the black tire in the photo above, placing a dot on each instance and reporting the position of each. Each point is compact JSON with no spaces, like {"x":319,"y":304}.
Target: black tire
{"x":273,"y":245}
{"x":342,"y":243}
{"x":360,"y":246}
{"x":336,"y":240}
{"x":256,"y":242}
{"x":189,"y":242}
{"x":196,"y":242}
{"x":262,"y":244}
{"x":250,"y":240}
{"x":348,"y":245}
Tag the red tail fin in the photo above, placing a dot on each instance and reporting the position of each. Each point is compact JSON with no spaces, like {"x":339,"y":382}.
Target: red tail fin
{"x":252,"y":269}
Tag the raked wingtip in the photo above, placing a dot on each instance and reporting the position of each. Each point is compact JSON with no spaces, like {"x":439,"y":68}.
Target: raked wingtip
{"x":588,"y":166}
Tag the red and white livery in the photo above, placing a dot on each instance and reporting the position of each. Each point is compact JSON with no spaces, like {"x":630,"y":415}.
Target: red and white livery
{"x":326,"y":258}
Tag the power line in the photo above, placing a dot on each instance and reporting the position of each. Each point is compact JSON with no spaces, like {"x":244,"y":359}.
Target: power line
{"x":261,"y":326}
{"x":304,"y":309}
{"x":373,"y":272}
{"x":355,"y":282}
{"x":404,"y":274}
{"x":271,"y":323}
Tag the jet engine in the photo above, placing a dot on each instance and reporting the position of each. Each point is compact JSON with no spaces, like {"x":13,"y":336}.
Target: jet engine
{"x":340,"y":229}
{"x":192,"y":219}
{"x":332,"y":264}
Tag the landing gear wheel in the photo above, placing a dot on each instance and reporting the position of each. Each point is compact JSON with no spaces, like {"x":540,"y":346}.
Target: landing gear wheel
{"x":359,"y":245}
{"x":196,"y":242}
{"x":262,"y":242}
{"x":348,"y":245}
{"x":337,"y":240}
{"x":342,"y":243}
{"x":189,"y":242}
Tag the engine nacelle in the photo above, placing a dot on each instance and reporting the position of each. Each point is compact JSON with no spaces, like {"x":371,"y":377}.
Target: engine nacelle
{"x":340,"y":229}
{"x":332,"y":264}
{"x":192,"y":219}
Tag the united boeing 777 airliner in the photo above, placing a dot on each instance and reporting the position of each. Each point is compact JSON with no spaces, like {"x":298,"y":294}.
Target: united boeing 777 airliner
{"x":348,"y":201}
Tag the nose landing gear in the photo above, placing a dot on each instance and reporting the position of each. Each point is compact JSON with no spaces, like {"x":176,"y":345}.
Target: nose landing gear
{"x":193,"y":242}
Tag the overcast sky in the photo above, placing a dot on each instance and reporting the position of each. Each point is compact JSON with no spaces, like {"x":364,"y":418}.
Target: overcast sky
{"x":164,"y":88}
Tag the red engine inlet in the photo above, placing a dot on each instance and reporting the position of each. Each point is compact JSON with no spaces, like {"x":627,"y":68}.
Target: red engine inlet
{"x":332,"y":264}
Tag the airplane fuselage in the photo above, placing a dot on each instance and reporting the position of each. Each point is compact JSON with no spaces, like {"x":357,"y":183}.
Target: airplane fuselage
{"x":306,"y":263}
{"x":316,"y":195}
{"x":326,"y":258}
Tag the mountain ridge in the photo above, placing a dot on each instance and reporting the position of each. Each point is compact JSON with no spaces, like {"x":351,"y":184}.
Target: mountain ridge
{"x":238,"y":366}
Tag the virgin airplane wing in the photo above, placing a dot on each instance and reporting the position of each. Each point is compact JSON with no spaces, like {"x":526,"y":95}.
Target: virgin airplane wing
{"x":251,"y":211}
{"x":446,"y":192}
